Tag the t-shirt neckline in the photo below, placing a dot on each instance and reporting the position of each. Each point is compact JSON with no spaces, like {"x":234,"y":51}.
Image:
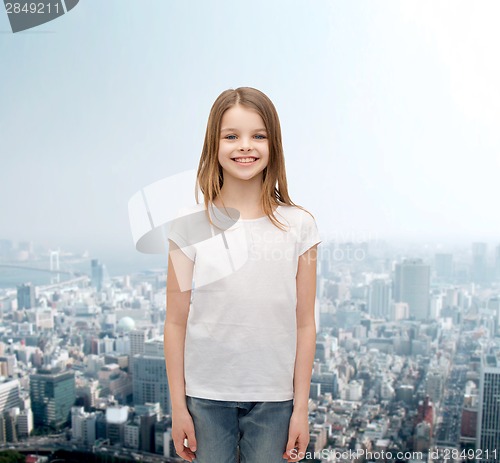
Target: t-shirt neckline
{"x":240,"y":220}
{"x":258,"y":218}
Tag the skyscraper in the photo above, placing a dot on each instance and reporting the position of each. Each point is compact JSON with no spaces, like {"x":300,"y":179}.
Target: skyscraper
{"x":443,"y":265}
{"x":25,"y":296}
{"x":9,"y":395}
{"x":150,"y":376}
{"x":488,"y":422}
{"x":99,"y":274}
{"x":52,"y":396}
{"x":497,"y":263}
{"x":412,"y":285}
{"x":379,"y":298}
{"x":138,"y":338}
{"x":479,"y":262}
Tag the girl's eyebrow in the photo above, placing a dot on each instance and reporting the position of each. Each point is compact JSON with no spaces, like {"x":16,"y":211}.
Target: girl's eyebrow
{"x":236,"y":130}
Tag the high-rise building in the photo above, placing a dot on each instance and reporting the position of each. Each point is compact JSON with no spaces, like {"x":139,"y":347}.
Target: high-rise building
{"x":83,"y":425}
{"x":494,"y":305}
{"x":488,"y":420}
{"x":101,"y":431}
{"x":3,"y":431}
{"x":88,"y":391}
{"x":425,"y":412}
{"x":11,"y":424}
{"x":328,"y":382}
{"x":150,"y":376}
{"x":25,"y":422}
{"x":147,"y":423}
{"x":479,"y":262}
{"x":99,"y":274}
{"x":422,"y":437}
{"x":25,"y":296}
{"x":468,"y":425}
{"x":138,"y":339}
{"x":7,"y":365}
{"x":131,"y":434}
{"x":52,"y":396}
{"x":9,"y":395}
{"x":412,"y":285}
{"x":497,"y":263}
{"x":443,"y":265}
{"x":379,"y":298}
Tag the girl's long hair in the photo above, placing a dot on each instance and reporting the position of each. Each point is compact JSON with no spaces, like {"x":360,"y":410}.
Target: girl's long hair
{"x":209,"y":175}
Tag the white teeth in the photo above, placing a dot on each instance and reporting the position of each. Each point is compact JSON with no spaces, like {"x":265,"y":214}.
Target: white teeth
{"x":245,"y":160}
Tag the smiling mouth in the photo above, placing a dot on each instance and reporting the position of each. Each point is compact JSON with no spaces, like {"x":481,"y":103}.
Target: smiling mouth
{"x":249,"y":160}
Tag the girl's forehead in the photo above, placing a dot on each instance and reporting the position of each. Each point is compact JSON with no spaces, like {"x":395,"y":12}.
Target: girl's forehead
{"x":240,"y":114}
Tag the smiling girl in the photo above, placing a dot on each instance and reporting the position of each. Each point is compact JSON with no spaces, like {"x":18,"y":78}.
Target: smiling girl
{"x":239,"y":356}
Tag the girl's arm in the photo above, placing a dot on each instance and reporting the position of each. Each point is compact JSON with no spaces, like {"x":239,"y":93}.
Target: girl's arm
{"x":306,"y":328}
{"x":298,"y":432}
{"x":179,"y":281}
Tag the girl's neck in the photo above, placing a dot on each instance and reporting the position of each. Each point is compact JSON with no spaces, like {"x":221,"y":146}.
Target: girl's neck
{"x":245,"y":200}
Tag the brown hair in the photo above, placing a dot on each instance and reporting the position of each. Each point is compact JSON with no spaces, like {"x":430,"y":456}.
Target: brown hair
{"x":209,"y":176}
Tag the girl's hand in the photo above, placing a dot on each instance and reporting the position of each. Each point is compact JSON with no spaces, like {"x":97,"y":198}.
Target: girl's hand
{"x":298,"y":437}
{"x":183,"y":428}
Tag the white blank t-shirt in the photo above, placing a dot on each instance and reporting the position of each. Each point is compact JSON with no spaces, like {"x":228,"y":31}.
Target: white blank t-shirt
{"x":241,"y":330}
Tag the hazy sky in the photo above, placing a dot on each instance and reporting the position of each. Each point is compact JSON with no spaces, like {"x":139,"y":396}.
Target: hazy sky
{"x":390,"y":111}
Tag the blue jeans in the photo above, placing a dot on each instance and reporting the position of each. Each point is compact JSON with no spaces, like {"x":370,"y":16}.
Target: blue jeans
{"x":260,"y":429}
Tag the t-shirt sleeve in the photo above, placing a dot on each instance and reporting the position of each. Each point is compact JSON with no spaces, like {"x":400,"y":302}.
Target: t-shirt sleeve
{"x":178,"y":232}
{"x":309,"y":233}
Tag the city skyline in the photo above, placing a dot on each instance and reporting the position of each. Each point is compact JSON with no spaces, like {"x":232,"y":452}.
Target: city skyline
{"x":397,"y":360}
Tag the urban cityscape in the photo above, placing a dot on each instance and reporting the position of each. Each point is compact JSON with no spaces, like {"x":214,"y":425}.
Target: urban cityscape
{"x":407,"y":363}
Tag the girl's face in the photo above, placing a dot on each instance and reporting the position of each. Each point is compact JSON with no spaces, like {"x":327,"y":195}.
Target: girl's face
{"x":243,"y":136}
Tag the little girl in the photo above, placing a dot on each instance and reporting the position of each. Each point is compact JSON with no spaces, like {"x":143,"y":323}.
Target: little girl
{"x":239,"y":355}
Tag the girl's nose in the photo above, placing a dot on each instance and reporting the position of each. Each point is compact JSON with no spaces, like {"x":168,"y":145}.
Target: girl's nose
{"x":245,"y":145}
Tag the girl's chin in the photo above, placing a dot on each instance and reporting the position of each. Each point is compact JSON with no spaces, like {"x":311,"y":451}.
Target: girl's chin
{"x":238,"y":174}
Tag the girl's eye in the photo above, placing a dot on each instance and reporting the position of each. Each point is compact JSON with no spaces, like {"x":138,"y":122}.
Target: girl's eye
{"x":233,"y":137}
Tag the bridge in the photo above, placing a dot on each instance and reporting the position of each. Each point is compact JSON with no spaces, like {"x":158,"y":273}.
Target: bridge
{"x":38,"y":269}
{"x":77,"y":277}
